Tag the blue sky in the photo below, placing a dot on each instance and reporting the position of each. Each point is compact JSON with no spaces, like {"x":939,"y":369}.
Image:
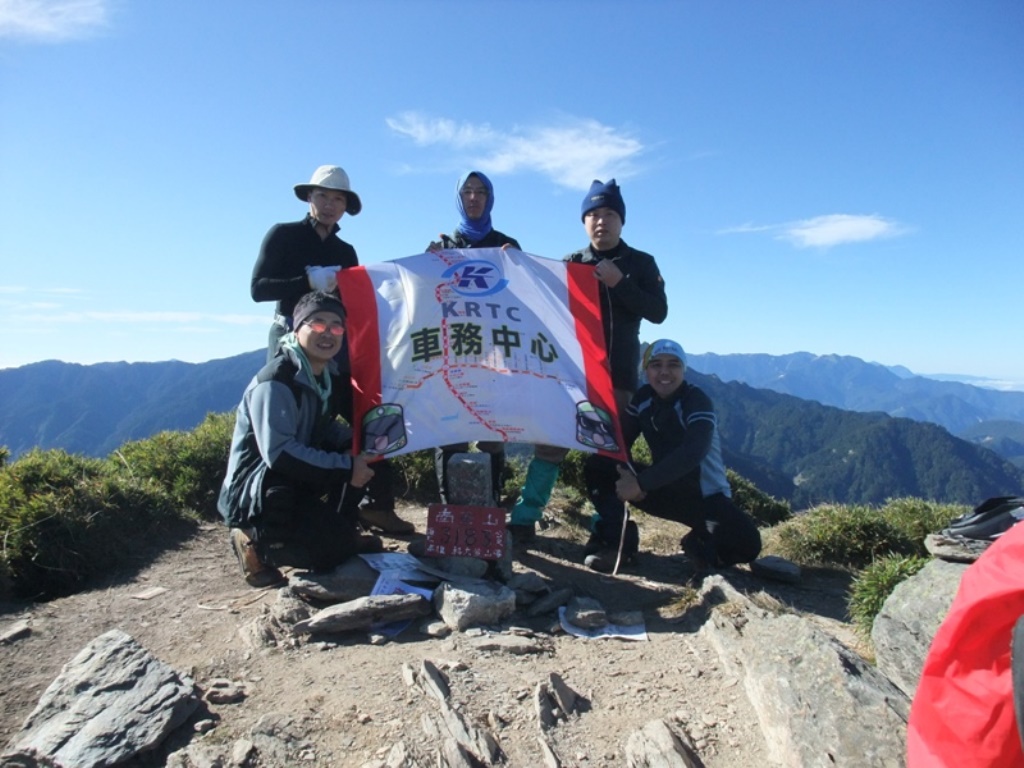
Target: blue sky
{"x":831,"y":177}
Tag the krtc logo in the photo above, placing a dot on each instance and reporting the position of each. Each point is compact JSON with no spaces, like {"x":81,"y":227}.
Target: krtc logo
{"x":475,"y":278}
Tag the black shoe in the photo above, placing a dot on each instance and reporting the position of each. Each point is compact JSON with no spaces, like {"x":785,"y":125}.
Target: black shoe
{"x":701,"y":552}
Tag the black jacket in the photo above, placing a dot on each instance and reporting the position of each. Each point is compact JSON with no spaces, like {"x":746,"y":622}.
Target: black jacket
{"x":280,"y":271}
{"x":640,"y":295}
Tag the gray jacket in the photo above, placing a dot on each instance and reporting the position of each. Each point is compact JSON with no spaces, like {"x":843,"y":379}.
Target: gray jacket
{"x":279,"y":427}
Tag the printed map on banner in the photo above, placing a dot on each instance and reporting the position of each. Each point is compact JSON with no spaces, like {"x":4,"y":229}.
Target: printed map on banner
{"x":478,"y":344}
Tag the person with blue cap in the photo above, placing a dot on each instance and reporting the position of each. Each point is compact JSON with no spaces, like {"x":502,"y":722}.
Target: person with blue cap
{"x":474,"y":198}
{"x":685,"y":482}
{"x":632,"y":290}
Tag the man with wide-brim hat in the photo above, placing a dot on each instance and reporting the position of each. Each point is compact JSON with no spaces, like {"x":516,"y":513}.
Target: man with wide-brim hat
{"x":305,"y":255}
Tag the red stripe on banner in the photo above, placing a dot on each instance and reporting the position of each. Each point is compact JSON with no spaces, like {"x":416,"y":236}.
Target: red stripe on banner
{"x":585,"y":306}
{"x":360,"y":300}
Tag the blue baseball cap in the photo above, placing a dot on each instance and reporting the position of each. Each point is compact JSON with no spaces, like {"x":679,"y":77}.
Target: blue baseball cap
{"x":664,"y":347}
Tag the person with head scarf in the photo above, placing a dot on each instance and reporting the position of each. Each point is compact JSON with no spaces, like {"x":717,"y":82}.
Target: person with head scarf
{"x":474,"y":199}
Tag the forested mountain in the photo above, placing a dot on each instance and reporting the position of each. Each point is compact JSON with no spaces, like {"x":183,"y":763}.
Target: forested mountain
{"x":822,"y":453}
{"x":795,"y":449}
{"x":983,"y":416}
{"x":93,"y":409}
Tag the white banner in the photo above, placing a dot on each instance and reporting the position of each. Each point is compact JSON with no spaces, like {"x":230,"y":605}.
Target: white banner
{"x":478,"y":344}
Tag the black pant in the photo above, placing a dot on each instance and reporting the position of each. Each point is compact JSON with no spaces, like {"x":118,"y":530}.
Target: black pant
{"x":716,"y":520}
{"x":305,"y":527}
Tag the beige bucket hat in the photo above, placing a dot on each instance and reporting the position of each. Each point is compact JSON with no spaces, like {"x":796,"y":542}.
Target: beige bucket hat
{"x":331,"y":177}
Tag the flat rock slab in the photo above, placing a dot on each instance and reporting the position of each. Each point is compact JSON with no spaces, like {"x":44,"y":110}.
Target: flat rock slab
{"x":364,"y":612}
{"x":776,"y":568}
{"x":109,"y":703}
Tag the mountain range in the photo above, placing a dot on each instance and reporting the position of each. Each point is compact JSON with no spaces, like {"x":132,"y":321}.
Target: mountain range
{"x":804,"y":428}
{"x":988,"y":417}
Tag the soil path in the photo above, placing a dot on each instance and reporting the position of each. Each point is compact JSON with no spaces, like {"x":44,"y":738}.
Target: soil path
{"x":346,"y":699}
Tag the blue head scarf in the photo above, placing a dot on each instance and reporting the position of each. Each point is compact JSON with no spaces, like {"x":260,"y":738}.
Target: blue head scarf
{"x":474,"y":229}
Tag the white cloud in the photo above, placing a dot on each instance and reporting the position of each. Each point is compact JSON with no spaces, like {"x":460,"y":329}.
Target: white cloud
{"x":839,"y":228}
{"x":51,"y":20}
{"x":827,"y":231}
{"x":572,"y":153}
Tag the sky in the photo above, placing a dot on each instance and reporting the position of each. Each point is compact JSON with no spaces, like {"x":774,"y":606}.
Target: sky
{"x":842,"y":177}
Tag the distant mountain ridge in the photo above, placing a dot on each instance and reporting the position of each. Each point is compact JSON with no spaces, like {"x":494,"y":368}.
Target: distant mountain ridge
{"x":93,"y":409}
{"x":794,"y":448}
{"x":976,"y":413}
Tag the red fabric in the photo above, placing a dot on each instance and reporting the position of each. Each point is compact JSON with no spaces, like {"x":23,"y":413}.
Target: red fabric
{"x":962,"y":714}
{"x":361,"y":323}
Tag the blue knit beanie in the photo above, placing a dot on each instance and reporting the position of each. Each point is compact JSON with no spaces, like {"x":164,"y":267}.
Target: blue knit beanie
{"x":604,"y":195}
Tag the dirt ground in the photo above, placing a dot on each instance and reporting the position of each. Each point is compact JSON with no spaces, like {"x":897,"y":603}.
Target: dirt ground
{"x":347,"y":699}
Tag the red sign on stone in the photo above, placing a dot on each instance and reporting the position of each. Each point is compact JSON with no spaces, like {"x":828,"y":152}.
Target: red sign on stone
{"x":465,"y":531}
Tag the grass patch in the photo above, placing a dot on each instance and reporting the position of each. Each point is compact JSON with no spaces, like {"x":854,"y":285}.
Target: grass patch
{"x":874,"y":584}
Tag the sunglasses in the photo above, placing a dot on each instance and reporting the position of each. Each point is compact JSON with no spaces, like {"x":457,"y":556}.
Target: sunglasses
{"x":319,"y":326}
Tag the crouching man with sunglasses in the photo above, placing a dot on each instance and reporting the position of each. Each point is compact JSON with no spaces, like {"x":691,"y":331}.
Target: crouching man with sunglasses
{"x":293,"y":487}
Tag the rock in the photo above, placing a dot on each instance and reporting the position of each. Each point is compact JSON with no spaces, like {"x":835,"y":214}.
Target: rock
{"x":548,"y":753}
{"x":433,"y":681}
{"x":657,"y":745}
{"x":350,"y":580}
{"x":544,"y":707}
{"x":469,"y":480}
{"x":903,"y":629}
{"x":528,"y":586}
{"x":549,"y":602}
{"x":817,"y":702}
{"x":465,"y":567}
{"x":954,"y":549}
{"x":517,"y":646}
{"x":16,"y":631}
{"x":586,"y":613}
{"x":776,"y":568}
{"x":472,"y":604}
{"x":276,"y":739}
{"x":288,"y":609}
{"x":109,"y":703}
{"x":564,"y":696}
{"x":364,"y":612}
{"x":221,"y":691}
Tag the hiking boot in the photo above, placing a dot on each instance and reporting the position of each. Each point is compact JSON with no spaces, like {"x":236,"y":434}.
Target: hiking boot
{"x":603,"y":560}
{"x":256,"y":572}
{"x":385,"y":520}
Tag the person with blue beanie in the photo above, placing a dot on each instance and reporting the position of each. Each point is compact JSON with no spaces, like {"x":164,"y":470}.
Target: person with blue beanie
{"x":685,"y":482}
{"x":631,"y":290}
{"x":474,"y":199}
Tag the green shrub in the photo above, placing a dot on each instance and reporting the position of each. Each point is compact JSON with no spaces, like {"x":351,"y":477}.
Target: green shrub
{"x":849,"y":536}
{"x":766,"y":510}
{"x":65,"y":518}
{"x":917,"y":518}
{"x":415,"y":477}
{"x":189,"y":465}
{"x":874,"y":584}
